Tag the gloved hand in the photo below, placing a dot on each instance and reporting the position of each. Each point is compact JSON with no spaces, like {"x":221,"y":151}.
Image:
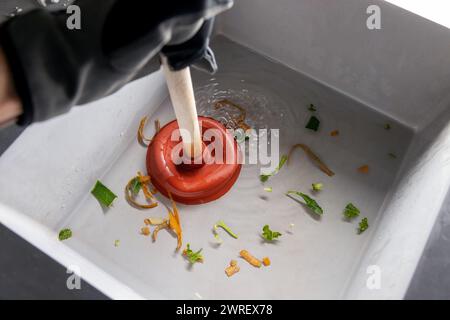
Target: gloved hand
{"x":55,"y":68}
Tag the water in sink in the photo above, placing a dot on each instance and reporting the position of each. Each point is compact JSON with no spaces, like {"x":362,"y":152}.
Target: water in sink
{"x":313,"y":259}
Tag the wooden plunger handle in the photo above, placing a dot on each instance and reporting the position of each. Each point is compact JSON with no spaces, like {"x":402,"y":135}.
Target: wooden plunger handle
{"x":182,"y":95}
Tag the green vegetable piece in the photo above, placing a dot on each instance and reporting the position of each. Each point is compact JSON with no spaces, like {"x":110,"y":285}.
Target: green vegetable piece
{"x":268,"y":189}
{"x":387,"y":126}
{"x":135,"y":186}
{"x":313,"y":123}
{"x":221,"y":224}
{"x":270,"y":235}
{"x":265,"y":177}
{"x":65,"y":234}
{"x":103,"y":194}
{"x":312,"y":108}
{"x":363,"y":225}
{"x":351,"y":211}
{"x":116,"y":243}
{"x":317,"y":186}
{"x":392,"y":155}
{"x":192,"y":256}
{"x":309,"y":202}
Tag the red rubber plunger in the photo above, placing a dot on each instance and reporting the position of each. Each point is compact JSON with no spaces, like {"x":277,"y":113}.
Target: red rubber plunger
{"x":192,"y":184}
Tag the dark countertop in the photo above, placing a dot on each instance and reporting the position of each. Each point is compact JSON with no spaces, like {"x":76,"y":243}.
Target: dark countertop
{"x":27,"y":273}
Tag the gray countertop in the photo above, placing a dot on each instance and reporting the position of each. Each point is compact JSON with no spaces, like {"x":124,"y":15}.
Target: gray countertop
{"x":27,"y":273}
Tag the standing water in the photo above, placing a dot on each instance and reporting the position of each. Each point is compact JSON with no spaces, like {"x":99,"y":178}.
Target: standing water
{"x":315,"y":255}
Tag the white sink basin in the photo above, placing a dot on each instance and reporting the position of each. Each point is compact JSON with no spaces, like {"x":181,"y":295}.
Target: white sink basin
{"x":359,"y":79}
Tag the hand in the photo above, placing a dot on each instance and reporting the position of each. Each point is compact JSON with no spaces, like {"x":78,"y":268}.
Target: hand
{"x":10,"y":104}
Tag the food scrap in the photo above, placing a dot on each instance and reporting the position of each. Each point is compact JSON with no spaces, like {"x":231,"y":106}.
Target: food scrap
{"x":312,"y":156}
{"x":309,"y":202}
{"x":174,"y":222}
{"x":140,"y":135}
{"x":154,"y":221}
{"x":312,"y":108}
{"x":64,"y":234}
{"x":363,"y":169}
{"x":313,"y":123}
{"x":317,"y":186}
{"x":363,"y":225}
{"x":392,"y":155}
{"x":240,"y":120}
{"x":103,"y":194}
{"x":133,"y":187}
{"x":159,"y":227}
{"x":266,"y":261}
{"x":232,"y":269}
{"x":250,"y":259}
{"x":270,"y":235}
{"x":351,"y":211}
{"x":192,"y":256}
{"x":145,"y":231}
{"x":265,"y":177}
{"x":334,"y":133}
{"x":387,"y":126}
{"x":221,"y":224}
{"x":268,"y":189}
{"x":116,"y":243}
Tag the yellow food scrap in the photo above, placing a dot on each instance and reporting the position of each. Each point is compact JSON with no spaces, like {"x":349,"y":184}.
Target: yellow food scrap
{"x":250,"y":259}
{"x":334,"y":133}
{"x":145,"y":231}
{"x":363,"y":169}
{"x":174,"y":223}
{"x":158,"y":228}
{"x":232,"y":269}
{"x":144,"y":181}
{"x":312,"y":156}
{"x":240,"y":120}
{"x":154,"y":221}
{"x":266,"y":261}
{"x":140,"y":135}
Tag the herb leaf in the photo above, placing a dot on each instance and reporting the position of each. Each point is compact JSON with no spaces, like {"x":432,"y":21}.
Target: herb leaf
{"x":192,"y":256}
{"x":312,"y":108}
{"x":351,"y":211}
{"x":265,"y":177}
{"x":270,"y":235}
{"x":363,"y":225}
{"x":103,"y":194}
{"x":309,"y":202}
{"x":313,"y":123}
{"x":65,"y":234}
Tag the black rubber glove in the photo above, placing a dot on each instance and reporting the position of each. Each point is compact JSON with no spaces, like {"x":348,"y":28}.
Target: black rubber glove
{"x":55,"y":68}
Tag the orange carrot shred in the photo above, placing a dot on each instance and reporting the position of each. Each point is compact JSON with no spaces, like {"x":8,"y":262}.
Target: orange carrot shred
{"x":334,"y":133}
{"x":174,"y":222}
{"x":266,"y":261}
{"x":364,"y":169}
